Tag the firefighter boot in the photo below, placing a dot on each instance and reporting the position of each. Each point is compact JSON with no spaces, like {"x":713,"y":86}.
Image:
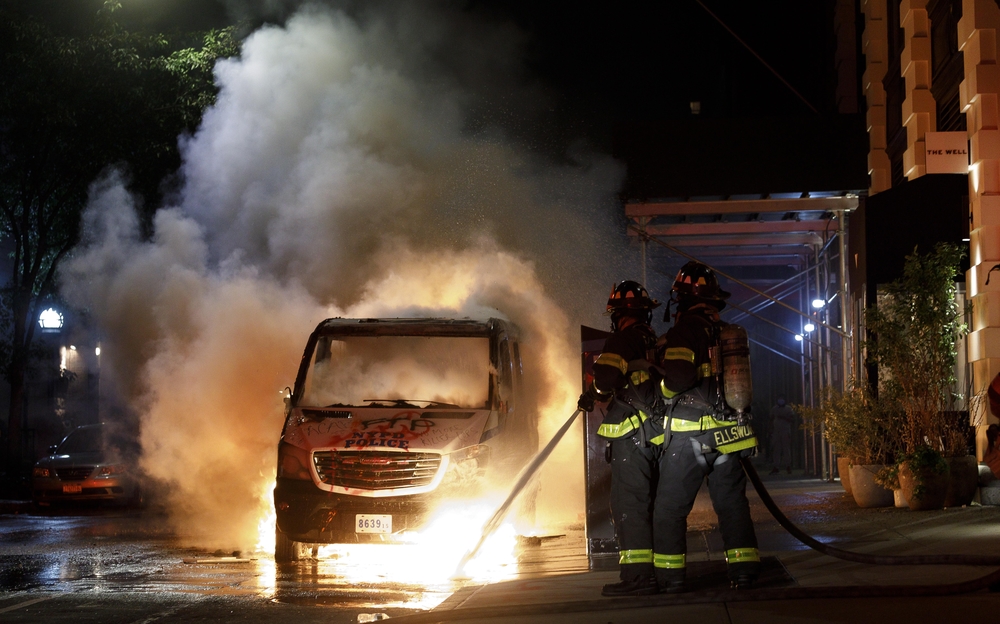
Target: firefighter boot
{"x":639,"y":586}
{"x":673,"y":586}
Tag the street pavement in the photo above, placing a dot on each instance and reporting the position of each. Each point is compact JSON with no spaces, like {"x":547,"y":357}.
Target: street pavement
{"x":135,"y":574}
{"x":801,"y":585}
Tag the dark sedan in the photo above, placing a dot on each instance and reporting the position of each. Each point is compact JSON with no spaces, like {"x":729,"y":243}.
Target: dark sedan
{"x":84,"y":467}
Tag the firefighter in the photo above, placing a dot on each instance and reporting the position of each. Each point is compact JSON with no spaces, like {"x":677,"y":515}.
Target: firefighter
{"x":623,"y":376}
{"x":701,"y":438}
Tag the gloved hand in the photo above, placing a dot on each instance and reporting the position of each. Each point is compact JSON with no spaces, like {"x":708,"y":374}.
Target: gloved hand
{"x":587,"y":399}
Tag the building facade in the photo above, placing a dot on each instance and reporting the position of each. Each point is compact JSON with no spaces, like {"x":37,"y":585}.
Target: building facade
{"x":930,"y":67}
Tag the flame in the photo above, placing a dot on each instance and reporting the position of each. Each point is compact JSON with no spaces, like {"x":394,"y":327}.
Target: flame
{"x":431,"y":556}
{"x":428,"y":558}
{"x":268,"y":521}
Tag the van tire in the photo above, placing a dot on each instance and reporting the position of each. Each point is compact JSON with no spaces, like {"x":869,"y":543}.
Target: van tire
{"x":286,"y":550}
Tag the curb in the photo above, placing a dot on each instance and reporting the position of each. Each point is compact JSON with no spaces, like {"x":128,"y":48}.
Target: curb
{"x":15,"y":507}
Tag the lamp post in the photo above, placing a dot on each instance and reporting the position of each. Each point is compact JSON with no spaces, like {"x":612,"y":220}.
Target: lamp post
{"x":97,"y":353}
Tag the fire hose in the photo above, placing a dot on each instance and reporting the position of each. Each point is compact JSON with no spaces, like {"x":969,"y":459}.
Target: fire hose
{"x":847,"y":555}
{"x":523,"y":478}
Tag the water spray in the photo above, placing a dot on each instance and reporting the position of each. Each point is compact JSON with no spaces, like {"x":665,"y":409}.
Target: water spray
{"x":526,"y":475}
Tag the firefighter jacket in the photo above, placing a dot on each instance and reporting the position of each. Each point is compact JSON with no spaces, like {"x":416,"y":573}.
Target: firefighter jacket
{"x":623,"y":374}
{"x":691,"y":387}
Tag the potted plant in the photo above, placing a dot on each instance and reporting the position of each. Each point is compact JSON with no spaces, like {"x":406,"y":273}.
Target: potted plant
{"x":963,"y":466}
{"x":860,"y":426}
{"x":914,"y":329}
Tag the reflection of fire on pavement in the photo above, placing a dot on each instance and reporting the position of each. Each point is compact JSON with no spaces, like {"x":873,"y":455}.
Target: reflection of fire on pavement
{"x":425,"y":559}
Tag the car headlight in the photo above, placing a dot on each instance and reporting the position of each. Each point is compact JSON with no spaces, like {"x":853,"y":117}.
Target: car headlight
{"x":111,"y":470}
{"x":42,"y":472}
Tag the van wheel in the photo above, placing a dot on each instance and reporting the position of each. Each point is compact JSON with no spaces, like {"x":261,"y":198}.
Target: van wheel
{"x":137,"y":500}
{"x":286,"y":550}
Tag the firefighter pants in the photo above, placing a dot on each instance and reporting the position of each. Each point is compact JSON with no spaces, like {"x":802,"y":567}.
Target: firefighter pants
{"x":681,"y":476}
{"x":633,"y":483}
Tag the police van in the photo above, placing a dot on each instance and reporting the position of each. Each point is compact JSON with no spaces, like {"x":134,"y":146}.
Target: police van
{"x":387,"y":418}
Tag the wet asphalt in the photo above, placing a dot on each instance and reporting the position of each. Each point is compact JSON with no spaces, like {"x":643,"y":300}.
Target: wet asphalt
{"x":121,"y":566}
{"x":125,"y":566}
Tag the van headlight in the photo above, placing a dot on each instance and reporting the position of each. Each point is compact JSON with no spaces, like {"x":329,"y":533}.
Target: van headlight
{"x":466,"y":466}
{"x":293,"y":462}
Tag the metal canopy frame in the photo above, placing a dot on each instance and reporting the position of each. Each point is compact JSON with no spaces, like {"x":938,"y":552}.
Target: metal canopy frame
{"x":795,"y":230}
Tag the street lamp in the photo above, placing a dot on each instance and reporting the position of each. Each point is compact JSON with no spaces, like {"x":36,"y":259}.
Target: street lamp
{"x":808,"y":327}
{"x":819,"y":303}
{"x":798,"y":337}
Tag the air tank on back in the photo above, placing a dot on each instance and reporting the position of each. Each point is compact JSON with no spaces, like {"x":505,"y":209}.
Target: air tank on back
{"x":738,"y":385}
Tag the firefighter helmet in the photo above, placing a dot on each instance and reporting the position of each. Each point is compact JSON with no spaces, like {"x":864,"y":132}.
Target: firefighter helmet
{"x":697,"y":280}
{"x":630,"y":299}
{"x":630,"y":295}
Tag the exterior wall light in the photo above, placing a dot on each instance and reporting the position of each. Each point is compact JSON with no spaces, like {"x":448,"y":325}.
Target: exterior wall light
{"x":50,"y":320}
{"x":808,"y":327}
{"x":819,"y":303}
{"x":798,"y":337}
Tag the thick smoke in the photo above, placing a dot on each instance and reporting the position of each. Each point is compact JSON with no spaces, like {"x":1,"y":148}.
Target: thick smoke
{"x":348,"y":168}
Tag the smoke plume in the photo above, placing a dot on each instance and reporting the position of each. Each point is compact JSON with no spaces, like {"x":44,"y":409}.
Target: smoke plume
{"x":353,"y":165}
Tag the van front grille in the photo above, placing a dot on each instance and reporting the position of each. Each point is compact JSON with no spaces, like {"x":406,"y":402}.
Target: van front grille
{"x":376,"y":470}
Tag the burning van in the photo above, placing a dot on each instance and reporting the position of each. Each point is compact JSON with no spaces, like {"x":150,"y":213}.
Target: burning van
{"x":390,"y":416}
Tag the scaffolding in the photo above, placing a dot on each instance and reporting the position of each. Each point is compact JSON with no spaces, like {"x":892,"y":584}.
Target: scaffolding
{"x":803,"y":233}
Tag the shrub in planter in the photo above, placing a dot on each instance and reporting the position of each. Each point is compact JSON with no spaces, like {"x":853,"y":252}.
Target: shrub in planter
{"x":914,"y":329}
{"x":963,"y":480}
{"x":861,"y":427}
{"x":923,"y":477}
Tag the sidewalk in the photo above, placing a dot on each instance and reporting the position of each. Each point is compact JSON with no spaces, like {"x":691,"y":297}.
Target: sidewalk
{"x":15,"y":507}
{"x":801,"y":585}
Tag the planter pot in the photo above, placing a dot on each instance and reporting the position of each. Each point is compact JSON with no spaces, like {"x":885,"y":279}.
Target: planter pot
{"x":844,"y":469}
{"x":899,"y":499}
{"x":925,"y":489}
{"x":963,"y":481}
{"x":866,"y":492}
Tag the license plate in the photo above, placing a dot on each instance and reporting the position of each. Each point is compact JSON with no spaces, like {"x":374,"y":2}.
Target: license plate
{"x":72,"y":489}
{"x":372,"y":523}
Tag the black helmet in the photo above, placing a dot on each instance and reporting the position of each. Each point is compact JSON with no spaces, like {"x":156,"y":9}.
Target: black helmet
{"x":630,"y":299}
{"x":631,"y":296}
{"x":697,"y":280}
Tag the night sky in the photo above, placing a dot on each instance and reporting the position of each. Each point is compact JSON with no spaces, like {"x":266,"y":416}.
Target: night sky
{"x":604,"y":63}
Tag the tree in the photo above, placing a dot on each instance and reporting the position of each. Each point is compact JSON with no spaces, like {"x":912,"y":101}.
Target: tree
{"x":72,"y":105}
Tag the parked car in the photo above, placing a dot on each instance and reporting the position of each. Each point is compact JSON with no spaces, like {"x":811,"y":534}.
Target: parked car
{"x":87,"y":465}
{"x":389,"y":417}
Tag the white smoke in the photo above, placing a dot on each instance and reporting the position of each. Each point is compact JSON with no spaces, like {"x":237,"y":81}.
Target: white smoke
{"x":341,"y":172}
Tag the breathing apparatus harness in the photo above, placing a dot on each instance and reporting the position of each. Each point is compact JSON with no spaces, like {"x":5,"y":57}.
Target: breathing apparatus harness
{"x":633,"y":401}
{"x":722,"y":397}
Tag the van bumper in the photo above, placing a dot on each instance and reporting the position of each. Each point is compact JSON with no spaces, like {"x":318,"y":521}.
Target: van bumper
{"x":306,"y":513}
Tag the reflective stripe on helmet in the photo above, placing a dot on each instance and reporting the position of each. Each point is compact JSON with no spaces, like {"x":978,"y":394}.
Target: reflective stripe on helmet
{"x":636,"y":556}
{"x":742,"y":555}
{"x":669,"y":562}
{"x":613,"y":360}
